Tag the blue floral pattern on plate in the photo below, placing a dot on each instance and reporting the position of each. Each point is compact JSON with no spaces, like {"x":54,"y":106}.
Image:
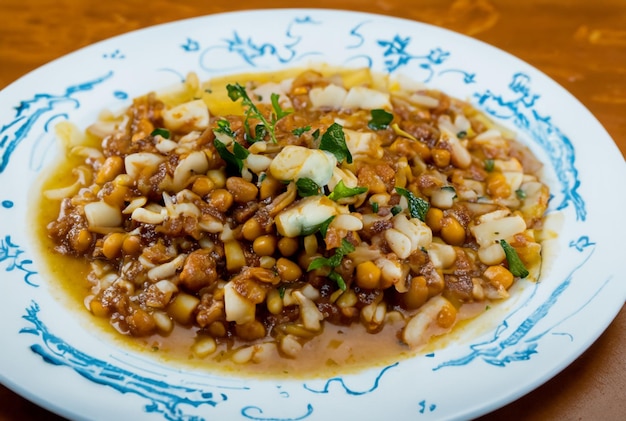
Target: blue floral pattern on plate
{"x":382,"y":44}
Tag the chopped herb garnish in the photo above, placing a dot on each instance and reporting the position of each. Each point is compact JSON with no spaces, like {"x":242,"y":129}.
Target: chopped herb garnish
{"x":334,"y":261}
{"x":375,"y":207}
{"x":281,"y":292}
{"x":164,"y":133}
{"x":334,"y":141}
{"x":521,"y":194}
{"x":301,"y":130}
{"x":449,"y":188}
{"x":307,"y":187}
{"x":516,"y":266}
{"x":461,"y":134}
{"x":324,"y":226}
{"x":234,"y":159}
{"x":489,"y":165}
{"x":341,"y":191}
{"x":418,"y":207}
{"x":396,"y":210}
{"x":223,"y":126}
{"x":380,"y":119}
{"x":236,"y":92}
{"x":316,"y":134}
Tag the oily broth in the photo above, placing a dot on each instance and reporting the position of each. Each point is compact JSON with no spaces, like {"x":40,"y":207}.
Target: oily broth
{"x":344,"y":348}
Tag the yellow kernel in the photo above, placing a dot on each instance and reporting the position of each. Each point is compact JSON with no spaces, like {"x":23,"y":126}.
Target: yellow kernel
{"x":265,"y":245}
{"x":112,"y":245}
{"x":202,"y":186}
{"x":251,"y":229}
{"x":288,"y":270}
{"x":441,"y":157}
{"x":368,"y":275}
{"x":110,"y":169}
{"x":243,"y":191}
{"x":499,"y":276}
{"x":82,"y":241}
{"x":434,"y":219}
{"x":446,"y":316}
{"x":452,"y":231}
{"x":417,"y":294}
{"x":497,"y":185}
{"x":132,"y":245}
{"x":288,"y":246}
{"x":220,"y":199}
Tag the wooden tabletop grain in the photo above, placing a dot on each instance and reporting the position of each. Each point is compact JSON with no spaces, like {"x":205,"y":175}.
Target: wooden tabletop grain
{"x":579,"y":43}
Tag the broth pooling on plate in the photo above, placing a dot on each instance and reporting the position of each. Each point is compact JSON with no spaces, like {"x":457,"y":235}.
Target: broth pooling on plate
{"x":257,"y":213}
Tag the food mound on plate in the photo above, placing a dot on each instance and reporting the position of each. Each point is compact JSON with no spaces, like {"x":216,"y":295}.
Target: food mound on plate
{"x":255,"y":213}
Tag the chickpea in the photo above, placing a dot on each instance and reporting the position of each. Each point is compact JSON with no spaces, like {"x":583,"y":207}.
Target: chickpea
{"x":417,"y":294}
{"x":82,"y":240}
{"x":111,"y":167}
{"x":368,"y":275}
{"x":288,"y":246}
{"x":112,"y":245}
{"x":202,"y":186}
{"x":220,"y":199}
{"x":251,"y":229}
{"x":497,"y":185}
{"x":251,"y":330}
{"x":452,"y":231}
{"x":243,"y":191}
{"x":264,"y":245}
{"x":288,"y":270}
{"x":499,"y":276}
{"x":446,"y":316}
{"x":132,"y":245}
{"x":434,"y":219}
{"x":441,"y":157}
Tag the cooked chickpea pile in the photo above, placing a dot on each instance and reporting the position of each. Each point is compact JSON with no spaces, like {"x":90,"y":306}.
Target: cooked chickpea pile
{"x":337,"y":198}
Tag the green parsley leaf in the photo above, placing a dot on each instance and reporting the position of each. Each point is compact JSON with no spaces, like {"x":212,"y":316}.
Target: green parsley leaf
{"x":234,"y":160}
{"x":417,"y":206}
{"x":489,"y":165}
{"x":396,"y":210}
{"x":341,"y":191}
{"x":334,"y":141}
{"x":316,"y":134}
{"x":380,"y":119}
{"x":164,"y":133}
{"x":461,"y":134}
{"x":307,"y":187}
{"x":324,"y":226}
{"x":237,"y":92}
{"x":333,"y":261}
{"x":521,"y":194}
{"x":223,"y":126}
{"x":278,"y":111}
{"x":301,"y":130}
{"x":375,"y":207}
{"x":281,"y":292}
{"x":516,"y":266}
{"x":334,"y":276}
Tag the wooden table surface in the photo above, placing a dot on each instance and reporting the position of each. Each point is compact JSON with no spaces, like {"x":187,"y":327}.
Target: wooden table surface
{"x":579,"y":43}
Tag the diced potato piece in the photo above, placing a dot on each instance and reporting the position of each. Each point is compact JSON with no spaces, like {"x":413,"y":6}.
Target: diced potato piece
{"x":332,"y":96}
{"x":305,"y":215}
{"x":101,"y":214}
{"x":192,"y":115}
{"x":295,"y":162}
{"x":237,"y":308}
{"x":366,"y":99}
{"x":489,"y":232}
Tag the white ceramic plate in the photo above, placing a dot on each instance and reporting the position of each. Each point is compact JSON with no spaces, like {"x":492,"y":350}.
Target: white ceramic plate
{"x":51,"y":357}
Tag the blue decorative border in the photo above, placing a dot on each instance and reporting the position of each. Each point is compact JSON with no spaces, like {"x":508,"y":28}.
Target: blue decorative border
{"x":238,"y":52}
